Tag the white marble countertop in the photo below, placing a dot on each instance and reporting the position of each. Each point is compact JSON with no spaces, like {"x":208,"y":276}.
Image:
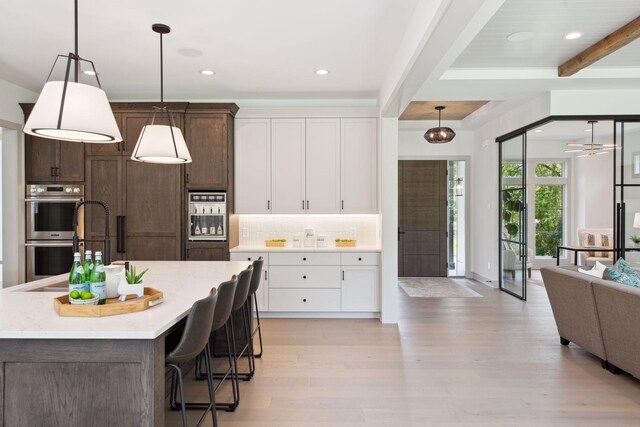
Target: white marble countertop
{"x":30,"y":315}
{"x":291,"y":249}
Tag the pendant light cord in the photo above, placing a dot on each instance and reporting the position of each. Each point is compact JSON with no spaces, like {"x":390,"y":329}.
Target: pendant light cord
{"x":161,"y":74}
{"x":76,"y":58}
{"x":439,"y":117}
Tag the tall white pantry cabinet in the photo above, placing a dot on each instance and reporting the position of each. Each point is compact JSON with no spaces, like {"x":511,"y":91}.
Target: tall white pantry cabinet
{"x":306,"y":166}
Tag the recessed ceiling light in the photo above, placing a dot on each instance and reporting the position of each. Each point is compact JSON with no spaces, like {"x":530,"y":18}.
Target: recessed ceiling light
{"x":520,"y":36}
{"x":572,"y":36}
{"x":207,"y":72}
{"x":322,"y":72}
{"x":538,"y":130}
{"x":89,"y":72}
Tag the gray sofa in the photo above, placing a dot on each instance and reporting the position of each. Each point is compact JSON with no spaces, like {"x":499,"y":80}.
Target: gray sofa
{"x":601,"y":316}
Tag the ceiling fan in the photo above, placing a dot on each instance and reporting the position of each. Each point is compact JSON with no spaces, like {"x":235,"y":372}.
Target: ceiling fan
{"x":590,"y":149}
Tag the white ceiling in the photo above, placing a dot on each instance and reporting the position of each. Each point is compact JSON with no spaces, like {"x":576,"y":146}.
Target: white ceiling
{"x":550,"y":21}
{"x":573,"y":131}
{"x":481,"y":64}
{"x":258,"y":49}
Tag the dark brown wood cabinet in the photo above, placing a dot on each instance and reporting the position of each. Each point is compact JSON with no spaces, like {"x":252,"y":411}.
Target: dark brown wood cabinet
{"x":210,"y":140}
{"x":104,"y":183}
{"x":201,"y":251}
{"x":48,"y":160}
{"x":147,"y":202}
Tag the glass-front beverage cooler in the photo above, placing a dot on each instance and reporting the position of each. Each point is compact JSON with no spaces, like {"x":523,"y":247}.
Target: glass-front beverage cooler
{"x":207,"y":216}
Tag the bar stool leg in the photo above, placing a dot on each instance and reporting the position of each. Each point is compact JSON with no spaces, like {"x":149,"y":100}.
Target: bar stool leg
{"x":212,"y":397}
{"x":183,"y":407}
{"x":258,"y":355}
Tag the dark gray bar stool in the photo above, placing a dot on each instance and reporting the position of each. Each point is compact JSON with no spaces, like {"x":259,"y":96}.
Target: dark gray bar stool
{"x":240,"y":309}
{"x":226,"y":295}
{"x":195,"y":340}
{"x":253,"y":288}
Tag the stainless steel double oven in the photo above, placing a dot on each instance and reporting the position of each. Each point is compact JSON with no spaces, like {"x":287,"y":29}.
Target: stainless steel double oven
{"x":49,"y":229}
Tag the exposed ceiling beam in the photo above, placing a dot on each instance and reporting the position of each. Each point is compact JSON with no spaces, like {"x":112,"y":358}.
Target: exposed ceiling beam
{"x":604,"y":47}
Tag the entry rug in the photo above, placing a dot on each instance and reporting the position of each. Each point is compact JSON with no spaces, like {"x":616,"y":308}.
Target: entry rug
{"x":436,"y":287}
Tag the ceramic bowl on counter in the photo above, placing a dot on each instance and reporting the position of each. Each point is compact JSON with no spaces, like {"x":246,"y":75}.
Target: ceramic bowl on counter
{"x":92,"y":301}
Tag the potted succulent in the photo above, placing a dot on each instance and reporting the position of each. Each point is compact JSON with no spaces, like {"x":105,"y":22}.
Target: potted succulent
{"x":635,"y":239}
{"x":133,"y":283}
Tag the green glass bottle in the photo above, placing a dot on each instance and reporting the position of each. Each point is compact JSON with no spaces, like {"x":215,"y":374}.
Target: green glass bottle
{"x":76,"y":279}
{"x":87,"y":267}
{"x":97,"y":280}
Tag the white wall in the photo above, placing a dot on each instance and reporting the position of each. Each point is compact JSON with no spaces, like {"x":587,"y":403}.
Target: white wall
{"x":11,"y":119}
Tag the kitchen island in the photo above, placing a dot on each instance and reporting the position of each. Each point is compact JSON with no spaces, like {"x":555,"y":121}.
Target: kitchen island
{"x":109,"y":371}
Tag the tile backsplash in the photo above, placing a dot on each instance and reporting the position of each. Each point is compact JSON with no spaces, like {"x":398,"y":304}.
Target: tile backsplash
{"x":255,"y":229}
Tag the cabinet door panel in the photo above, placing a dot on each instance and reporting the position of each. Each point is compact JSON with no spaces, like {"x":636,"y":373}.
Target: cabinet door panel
{"x":103,"y":183}
{"x":40,"y":158}
{"x":252,"y":166}
{"x":206,"y":254}
{"x":288,"y":166}
{"x":152,"y":248}
{"x":359,"y":163}
{"x":360,"y":289}
{"x":152,"y":200}
{"x":206,"y":137}
{"x":323,"y":166}
{"x":70,"y":161}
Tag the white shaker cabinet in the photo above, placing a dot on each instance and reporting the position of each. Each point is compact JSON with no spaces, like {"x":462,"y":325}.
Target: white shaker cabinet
{"x":287,"y":166}
{"x":323,"y":166}
{"x":360,"y":289}
{"x":359,"y":162}
{"x":253,"y":166}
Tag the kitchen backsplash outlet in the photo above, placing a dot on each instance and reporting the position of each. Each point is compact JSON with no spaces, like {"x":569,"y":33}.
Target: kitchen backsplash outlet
{"x":255,"y":229}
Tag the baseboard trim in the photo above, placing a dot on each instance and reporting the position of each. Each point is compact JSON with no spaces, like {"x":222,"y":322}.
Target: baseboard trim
{"x":317,"y":315}
{"x":484,"y":280}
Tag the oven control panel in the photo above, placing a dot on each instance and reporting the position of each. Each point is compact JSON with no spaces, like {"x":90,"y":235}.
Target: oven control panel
{"x":66,"y":190}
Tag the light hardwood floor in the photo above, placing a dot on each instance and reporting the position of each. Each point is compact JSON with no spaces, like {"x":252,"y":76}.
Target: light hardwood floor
{"x":493,"y":361}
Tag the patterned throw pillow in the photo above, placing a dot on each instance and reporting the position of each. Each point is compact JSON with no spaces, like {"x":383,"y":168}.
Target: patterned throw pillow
{"x":621,"y":277}
{"x":624,"y":267}
{"x":595,"y":241}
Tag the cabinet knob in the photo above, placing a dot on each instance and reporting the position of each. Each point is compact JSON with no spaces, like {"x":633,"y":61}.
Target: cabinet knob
{"x":304,"y":259}
{"x":304,"y":300}
{"x":359,"y":259}
{"x":304,"y":277}
{"x":248,"y":258}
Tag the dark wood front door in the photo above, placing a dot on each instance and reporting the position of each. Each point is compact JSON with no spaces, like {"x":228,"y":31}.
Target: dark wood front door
{"x":422,"y":218}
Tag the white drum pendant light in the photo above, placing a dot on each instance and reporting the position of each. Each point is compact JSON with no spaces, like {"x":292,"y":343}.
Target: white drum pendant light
{"x":161,"y":143}
{"x":72,"y":111}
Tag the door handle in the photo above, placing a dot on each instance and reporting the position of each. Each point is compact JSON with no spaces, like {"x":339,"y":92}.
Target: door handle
{"x":52,"y":171}
{"x":120,"y":244}
{"x":399,"y":233}
{"x":307,"y":205}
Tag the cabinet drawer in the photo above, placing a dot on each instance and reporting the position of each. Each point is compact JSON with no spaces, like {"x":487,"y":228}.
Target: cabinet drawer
{"x":249,"y":256}
{"x":304,"y":299}
{"x":304,"y":276}
{"x":363,"y":258}
{"x":304,"y":258}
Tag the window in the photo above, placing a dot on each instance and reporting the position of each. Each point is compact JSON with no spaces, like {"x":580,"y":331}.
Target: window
{"x":550,"y":170}
{"x":548,"y":192}
{"x":549,"y":219}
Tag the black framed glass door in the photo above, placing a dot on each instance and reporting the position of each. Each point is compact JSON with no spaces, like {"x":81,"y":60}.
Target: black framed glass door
{"x":513,"y":251}
{"x":627,"y":189}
